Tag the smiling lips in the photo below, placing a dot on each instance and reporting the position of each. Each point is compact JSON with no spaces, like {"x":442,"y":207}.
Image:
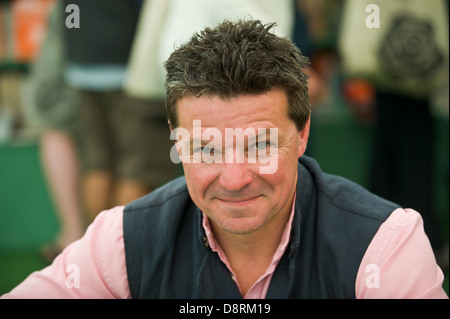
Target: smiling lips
{"x":239,"y":201}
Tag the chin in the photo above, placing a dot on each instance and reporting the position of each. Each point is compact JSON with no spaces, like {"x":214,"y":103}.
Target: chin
{"x":239,"y":223}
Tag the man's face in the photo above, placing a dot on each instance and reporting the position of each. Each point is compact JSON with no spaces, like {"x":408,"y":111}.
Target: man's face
{"x":235,"y":195}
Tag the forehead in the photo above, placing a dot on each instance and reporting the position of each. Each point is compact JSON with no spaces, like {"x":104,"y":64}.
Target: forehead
{"x":269,"y":109}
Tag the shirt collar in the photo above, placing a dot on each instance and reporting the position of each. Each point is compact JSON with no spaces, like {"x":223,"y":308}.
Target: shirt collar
{"x":215,"y":246}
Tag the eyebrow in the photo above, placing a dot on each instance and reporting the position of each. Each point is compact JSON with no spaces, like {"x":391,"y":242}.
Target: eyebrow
{"x":259,"y":136}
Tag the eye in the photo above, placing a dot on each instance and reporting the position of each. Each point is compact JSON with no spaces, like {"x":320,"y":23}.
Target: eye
{"x":263,"y":145}
{"x":207,"y":150}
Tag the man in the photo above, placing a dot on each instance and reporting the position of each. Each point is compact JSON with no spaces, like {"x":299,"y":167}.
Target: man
{"x":259,"y":221}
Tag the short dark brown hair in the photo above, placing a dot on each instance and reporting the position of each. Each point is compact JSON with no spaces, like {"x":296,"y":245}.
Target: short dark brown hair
{"x":237,"y":58}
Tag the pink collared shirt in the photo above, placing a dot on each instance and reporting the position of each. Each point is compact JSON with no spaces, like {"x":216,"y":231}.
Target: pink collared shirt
{"x":399,"y":263}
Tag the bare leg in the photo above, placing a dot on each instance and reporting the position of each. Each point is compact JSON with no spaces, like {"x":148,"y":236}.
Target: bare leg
{"x":97,"y":188}
{"x":61,"y":168}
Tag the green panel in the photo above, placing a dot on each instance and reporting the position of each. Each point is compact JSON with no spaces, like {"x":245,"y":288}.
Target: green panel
{"x":27,"y":217}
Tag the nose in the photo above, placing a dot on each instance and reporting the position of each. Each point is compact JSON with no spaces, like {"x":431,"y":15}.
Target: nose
{"x":235,"y":176}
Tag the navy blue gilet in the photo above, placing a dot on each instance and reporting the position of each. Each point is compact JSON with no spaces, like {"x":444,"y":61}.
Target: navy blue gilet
{"x":167,"y":254}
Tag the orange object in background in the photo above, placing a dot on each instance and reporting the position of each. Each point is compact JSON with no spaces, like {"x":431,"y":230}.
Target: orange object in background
{"x":28,"y":27}
{"x":3,"y":44}
{"x":360,"y":97}
{"x":359,"y":91}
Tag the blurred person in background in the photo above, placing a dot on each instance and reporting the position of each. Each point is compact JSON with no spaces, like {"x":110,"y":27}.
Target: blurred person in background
{"x":395,"y":59}
{"x":166,"y":24}
{"x":124,"y":154}
{"x":51,"y":107}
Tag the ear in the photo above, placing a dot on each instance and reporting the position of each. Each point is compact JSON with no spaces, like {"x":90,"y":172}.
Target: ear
{"x":303,"y":138}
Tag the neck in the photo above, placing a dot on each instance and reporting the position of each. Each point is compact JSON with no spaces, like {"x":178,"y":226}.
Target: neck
{"x":249,"y":255}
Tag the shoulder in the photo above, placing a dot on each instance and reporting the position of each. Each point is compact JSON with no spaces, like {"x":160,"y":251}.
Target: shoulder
{"x":153,"y":227}
{"x":162,"y":210}
{"x":344,"y":217}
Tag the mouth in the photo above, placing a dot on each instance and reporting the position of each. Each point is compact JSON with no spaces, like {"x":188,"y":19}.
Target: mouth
{"x":243,"y":201}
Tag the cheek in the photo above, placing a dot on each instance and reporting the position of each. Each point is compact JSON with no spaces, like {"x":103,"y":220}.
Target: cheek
{"x":286,"y":175}
{"x":198,"y":178}
{"x":280,"y":180}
